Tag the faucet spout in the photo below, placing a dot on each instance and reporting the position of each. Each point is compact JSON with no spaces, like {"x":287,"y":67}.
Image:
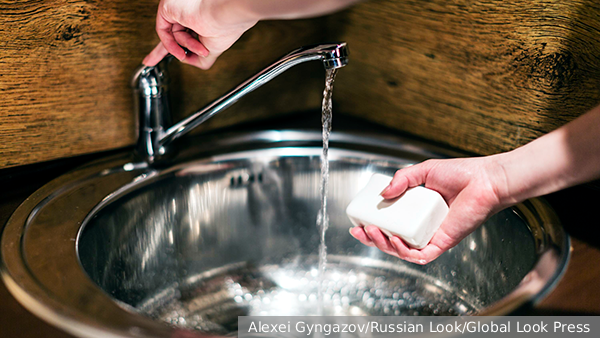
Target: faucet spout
{"x":336,"y":57}
{"x":150,"y":91}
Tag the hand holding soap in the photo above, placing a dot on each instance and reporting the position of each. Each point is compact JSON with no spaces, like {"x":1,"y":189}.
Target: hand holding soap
{"x":415,"y":216}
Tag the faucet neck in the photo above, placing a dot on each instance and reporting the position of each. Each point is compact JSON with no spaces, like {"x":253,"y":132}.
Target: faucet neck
{"x":150,"y":84}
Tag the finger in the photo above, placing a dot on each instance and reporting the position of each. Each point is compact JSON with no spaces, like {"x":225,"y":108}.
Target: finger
{"x":406,"y":178}
{"x":185,"y":39}
{"x":157,"y":54}
{"x":200,"y":62}
{"x":401,"y":248}
{"x":380,"y":240}
{"x":461,"y":220}
{"x":164,"y":29}
{"x":423,"y":256}
{"x":207,"y":62}
{"x":361,"y":236}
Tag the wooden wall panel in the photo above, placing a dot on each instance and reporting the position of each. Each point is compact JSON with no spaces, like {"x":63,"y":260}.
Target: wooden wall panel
{"x":65,"y":67}
{"x":63,"y":76}
{"x":484,"y":76}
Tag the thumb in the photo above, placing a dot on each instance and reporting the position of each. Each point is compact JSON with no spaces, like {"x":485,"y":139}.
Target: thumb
{"x":406,"y":178}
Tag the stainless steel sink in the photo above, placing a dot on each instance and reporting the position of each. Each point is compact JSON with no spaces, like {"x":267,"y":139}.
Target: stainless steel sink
{"x":118,"y":249}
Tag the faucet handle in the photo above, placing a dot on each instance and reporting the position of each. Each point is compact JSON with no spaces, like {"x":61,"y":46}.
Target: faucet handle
{"x":151,"y":79}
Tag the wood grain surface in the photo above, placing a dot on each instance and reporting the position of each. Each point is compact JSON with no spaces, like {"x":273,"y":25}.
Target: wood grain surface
{"x":576,"y":293}
{"x":63,"y":76}
{"x":484,"y":76}
{"x":65,"y":67}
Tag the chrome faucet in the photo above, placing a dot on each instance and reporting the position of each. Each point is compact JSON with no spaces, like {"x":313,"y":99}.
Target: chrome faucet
{"x":151,"y":102}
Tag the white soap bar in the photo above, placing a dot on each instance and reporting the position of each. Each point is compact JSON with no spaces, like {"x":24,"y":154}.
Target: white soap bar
{"x":415,"y":216}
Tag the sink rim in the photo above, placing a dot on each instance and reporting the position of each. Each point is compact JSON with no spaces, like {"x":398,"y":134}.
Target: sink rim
{"x":30,"y":292}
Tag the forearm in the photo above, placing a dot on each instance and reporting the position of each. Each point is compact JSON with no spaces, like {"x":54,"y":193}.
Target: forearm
{"x":255,"y":10}
{"x":568,"y":156}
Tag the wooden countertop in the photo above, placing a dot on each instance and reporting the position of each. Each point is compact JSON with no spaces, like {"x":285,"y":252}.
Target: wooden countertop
{"x":576,"y":294}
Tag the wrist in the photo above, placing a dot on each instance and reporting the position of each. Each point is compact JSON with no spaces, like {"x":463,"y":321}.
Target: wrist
{"x":511,"y":189}
{"x":532,"y":170}
{"x":232,"y":13}
{"x":501,"y":179}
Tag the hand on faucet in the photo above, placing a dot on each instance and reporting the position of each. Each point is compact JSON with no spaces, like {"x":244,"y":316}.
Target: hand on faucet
{"x":207,"y":28}
{"x":199,"y":26}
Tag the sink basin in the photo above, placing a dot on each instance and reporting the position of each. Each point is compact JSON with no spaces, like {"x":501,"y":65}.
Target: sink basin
{"x":119,"y":249}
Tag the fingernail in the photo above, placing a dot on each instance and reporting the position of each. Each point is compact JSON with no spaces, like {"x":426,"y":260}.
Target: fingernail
{"x":367,"y":231}
{"x":386,"y":189}
{"x":350,"y":231}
